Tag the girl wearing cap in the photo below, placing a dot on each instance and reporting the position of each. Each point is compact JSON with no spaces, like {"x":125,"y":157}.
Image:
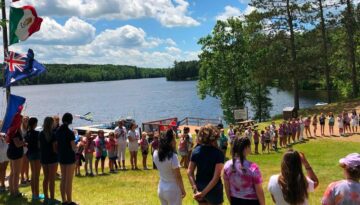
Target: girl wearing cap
{"x":346,"y":191}
{"x":208,"y":161}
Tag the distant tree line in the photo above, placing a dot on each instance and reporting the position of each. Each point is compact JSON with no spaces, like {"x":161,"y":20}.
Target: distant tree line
{"x":183,"y":70}
{"x":71,"y":73}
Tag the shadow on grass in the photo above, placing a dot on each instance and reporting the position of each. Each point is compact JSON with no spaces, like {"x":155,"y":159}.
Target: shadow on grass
{"x":6,"y":199}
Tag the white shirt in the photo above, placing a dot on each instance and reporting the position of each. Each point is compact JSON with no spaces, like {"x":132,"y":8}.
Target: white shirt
{"x":248,"y":134}
{"x":166,"y":167}
{"x":340,"y":122}
{"x":275,"y":189}
{"x":120,"y":133}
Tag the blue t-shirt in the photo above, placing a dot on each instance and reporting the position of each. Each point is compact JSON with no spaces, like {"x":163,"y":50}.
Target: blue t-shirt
{"x":206,"y":158}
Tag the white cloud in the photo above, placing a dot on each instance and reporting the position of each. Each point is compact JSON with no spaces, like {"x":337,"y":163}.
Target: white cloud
{"x":173,"y":50}
{"x":126,"y":45}
{"x":125,"y":37}
{"x":75,"y":32}
{"x":229,"y":12}
{"x":233,"y":12}
{"x":170,"y":13}
{"x":249,"y":9}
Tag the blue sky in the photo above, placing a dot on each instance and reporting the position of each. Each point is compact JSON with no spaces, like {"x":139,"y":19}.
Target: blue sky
{"x":148,"y":33}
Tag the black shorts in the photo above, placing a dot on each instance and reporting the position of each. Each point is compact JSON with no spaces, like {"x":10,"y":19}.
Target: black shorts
{"x":215,"y":196}
{"x":238,"y":201}
{"x":14,"y":154}
{"x":102,"y":158}
{"x":267,"y":141}
{"x":145,"y":152}
{"x":33,"y":156}
{"x":113,"y":158}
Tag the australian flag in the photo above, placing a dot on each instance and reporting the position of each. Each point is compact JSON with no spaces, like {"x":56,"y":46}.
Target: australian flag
{"x":20,"y":66}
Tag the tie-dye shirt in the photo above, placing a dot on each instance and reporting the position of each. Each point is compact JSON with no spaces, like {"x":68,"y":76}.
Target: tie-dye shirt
{"x":242,"y":180}
{"x":344,"y":192}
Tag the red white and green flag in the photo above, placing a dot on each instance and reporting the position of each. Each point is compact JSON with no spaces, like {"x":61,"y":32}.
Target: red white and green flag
{"x":23,"y":23}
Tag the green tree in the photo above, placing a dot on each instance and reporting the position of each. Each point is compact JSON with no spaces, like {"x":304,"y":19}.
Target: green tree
{"x":232,"y":65}
{"x":223,"y":66}
{"x":260,"y":102}
{"x":286,"y":16}
{"x":351,"y":27}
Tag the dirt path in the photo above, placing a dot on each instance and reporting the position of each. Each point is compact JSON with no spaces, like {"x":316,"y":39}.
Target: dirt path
{"x":350,"y":137}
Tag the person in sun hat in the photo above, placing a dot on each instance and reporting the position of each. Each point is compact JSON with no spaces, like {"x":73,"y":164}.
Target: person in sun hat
{"x":346,"y":191}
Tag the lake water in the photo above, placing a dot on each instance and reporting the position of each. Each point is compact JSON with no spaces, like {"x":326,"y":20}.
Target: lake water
{"x":142,"y":99}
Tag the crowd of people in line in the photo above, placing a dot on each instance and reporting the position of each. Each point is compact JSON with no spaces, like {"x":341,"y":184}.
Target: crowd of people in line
{"x":203,"y":157}
{"x":56,"y":144}
{"x":294,"y":130}
{"x":242,"y":178}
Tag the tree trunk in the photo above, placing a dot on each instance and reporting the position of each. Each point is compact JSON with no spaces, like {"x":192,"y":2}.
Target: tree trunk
{"x":350,"y":30}
{"x":293,"y":56}
{"x":325,"y":49}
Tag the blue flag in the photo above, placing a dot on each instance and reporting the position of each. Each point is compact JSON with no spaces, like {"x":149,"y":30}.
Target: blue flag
{"x":14,"y":106}
{"x":20,"y":66}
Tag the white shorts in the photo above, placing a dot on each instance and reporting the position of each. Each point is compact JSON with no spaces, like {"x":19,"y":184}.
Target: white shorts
{"x":121,"y":150}
{"x":133,"y":146}
{"x":354,"y":123}
{"x":3,"y":156}
{"x":169,"y":194}
{"x":3,"y":150}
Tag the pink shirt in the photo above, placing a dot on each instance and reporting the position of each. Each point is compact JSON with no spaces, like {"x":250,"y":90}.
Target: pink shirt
{"x":144,"y":144}
{"x":89,"y":146}
{"x":243,"y":179}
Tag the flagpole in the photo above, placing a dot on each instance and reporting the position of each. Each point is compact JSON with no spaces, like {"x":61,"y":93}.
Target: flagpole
{"x":5,"y":43}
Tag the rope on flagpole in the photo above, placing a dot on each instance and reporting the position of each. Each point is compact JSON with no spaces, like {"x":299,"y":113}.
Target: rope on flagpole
{"x":5,"y":42}
{"x":2,"y":103}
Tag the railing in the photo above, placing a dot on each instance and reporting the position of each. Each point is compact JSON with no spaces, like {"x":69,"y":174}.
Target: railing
{"x":198,"y":121}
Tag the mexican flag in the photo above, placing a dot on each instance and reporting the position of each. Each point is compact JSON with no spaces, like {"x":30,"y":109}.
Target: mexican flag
{"x":23,"y":23}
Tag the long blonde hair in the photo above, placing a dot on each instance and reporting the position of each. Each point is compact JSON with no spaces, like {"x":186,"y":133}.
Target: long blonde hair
{"x":48,"y":128}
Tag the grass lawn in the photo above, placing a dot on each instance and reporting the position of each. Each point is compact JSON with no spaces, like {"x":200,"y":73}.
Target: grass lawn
{"x":140,"y":187}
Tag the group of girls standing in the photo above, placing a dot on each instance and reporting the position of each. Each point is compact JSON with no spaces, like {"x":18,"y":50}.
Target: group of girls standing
{"x":113,"y":147}
{"x":54,"y":144}
{"x":242,"y":178}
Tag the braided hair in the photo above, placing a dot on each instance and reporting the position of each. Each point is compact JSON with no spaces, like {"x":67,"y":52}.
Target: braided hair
{"x":240,"y":144}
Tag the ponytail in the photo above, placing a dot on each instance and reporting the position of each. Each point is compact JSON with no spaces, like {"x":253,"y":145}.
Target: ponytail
{"x":238,"y":151}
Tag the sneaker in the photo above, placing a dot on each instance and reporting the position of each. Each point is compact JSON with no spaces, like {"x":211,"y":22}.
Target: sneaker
{"x":41,"y":196}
